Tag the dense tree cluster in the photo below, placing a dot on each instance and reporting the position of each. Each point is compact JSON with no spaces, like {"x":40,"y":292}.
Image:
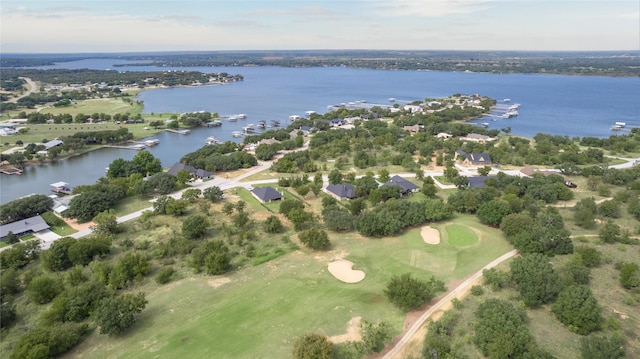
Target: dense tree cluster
{"x":93,"y":200}
{"x":543,"y":234}
{"x":535,"y":278}
{"x":143,"y":163}
{"x":392,"y":216}
{"x":578,"y":309}
{"x":223,"y":157}
{"x":501,"y":332}
{"x":24,"y":208}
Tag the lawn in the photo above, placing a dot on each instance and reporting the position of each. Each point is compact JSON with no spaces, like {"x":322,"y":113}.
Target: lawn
{"x":57,"y":225}
{"x":460,"y":236}
{"x":109,"y":106}
{"x":263,"y":308}
{"x":131,"y":204}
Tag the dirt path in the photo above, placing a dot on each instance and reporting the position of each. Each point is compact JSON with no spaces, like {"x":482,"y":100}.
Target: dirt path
{"x":32,"y":88}
{"x":439,"y":305}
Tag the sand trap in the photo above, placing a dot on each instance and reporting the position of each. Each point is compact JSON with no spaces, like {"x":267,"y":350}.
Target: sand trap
{"x":352,"y":334}
{"x":219,"y":282}
{"x":430,"y":235}
{"x":341,"y":269}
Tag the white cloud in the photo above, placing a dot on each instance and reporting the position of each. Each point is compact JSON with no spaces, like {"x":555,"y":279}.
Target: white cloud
{"x":433,"y":8}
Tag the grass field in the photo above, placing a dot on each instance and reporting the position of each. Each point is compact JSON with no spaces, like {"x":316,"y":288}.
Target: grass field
{"x":130,"y":205}
{"x":263,"y":308}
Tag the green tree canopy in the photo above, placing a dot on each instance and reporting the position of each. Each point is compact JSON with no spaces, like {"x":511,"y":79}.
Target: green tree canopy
{"x":408,"y":293}
{"x":535,"y":278}
{"x":578,"y":309}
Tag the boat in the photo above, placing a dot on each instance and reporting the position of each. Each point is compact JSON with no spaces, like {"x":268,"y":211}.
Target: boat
{"x":61,"y":187}
{"x":392,"y":99}
{"x":138,"y":147}
{"x":214,"y":123}
{"x":275,"y":123}
{"x":616,"y":128}
{"x":261,"y":124}
{"x":241,"y":116}
{"x":506,"y":100}
{"x":151,"y":143}
{"x":485,"y":124}
{"x":294,"y":117}
{"x":212,"y":141}
{"x":309,"y":113}
{"x":249,"y":129}
{"x":233,"y":118}
{"x":514,"y":107}
{"x":621,"y":124}
{"x":236,"y":134}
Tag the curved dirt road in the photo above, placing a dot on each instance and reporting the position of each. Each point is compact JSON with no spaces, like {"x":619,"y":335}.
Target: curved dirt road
{"x":446,"y":299}
{"x":32,"y":88}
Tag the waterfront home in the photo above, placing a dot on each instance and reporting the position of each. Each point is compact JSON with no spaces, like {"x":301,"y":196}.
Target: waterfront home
{"x":407,"y":186}
{"x":475,"y":137}
{"x":266,"y":194}
{"x":268,"y":141}
{"x":24,"y":226}
{"x":341,"y":191}
{"x":51,"y":144}
{"x":474,"y":159}
{"x":444,"y":135}
{"x":195,"y":172}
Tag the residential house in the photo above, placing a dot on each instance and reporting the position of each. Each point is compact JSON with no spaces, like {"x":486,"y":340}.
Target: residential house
{"x":341,"y":191}
{"x":528,"y":171}
{"x":407,"y":186}
{"x":24,"y":226}
{"x":266,"y":194}
{"x":474,"y":159}
{"x":444,"y":135}
{"x":196,"y":172}
{"x":478,"y":181}
{"x":412,"y":129}
{"x":475,"y":137}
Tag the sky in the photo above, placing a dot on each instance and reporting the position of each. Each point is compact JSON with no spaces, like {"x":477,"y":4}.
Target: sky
{"x":28,"y":26}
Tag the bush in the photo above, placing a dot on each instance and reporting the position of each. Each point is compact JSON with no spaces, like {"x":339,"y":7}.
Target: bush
{"x":477,"y":290}
{"x":312,"y":346}
{"x":315,"y":239}
{"x":409,"y":293}
{"x":165,"y":275}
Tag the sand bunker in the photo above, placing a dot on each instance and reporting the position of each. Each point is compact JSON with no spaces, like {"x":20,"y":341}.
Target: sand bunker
{"x":352,"y":334}
{"x":430,"y":235}
{"x":341,"y":269}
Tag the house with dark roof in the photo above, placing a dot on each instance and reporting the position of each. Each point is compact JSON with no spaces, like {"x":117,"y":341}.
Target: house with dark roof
{"x":528,"y":171}
{"x":341,"y":191}
{"x":474,"y":159}
{"x":196,"y":172}
{"x":24,"y":226}
{"x":266,"y":194}
{"x":407,"y":187}
{"x":478,"y":181}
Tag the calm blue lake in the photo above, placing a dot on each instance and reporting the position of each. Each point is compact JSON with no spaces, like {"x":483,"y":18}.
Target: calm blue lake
{"x":560,"y":105}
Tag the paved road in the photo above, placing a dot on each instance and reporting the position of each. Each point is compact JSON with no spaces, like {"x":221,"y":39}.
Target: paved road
{"x":445,"y":300}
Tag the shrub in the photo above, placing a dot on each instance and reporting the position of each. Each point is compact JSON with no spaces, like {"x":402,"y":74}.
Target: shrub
{"x":165,"y":275}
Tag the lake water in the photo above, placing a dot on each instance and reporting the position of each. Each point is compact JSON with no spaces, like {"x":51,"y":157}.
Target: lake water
{"x":561,"y":105}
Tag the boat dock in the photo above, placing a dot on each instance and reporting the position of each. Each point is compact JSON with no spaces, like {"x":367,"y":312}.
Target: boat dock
{"x":11,"y":171}
{"x":61,"y":187}
{"x":181,"y":132}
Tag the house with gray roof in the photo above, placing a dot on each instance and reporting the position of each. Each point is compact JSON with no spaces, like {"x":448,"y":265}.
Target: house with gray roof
{"x":196,"y":172}
{"x":266,"y":194}
{"x":24,"y":226}
{"x":407,"y":186}
{"x":341,"y":191}
{"x":474,"y":159}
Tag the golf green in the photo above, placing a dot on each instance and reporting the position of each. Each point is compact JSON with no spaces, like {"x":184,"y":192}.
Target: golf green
{"x":461,"y":236}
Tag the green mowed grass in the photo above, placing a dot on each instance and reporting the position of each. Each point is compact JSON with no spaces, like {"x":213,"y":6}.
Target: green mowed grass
{"x":263,"y":308}
{"x":460,"y":236}
{"x":109,"y":106}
